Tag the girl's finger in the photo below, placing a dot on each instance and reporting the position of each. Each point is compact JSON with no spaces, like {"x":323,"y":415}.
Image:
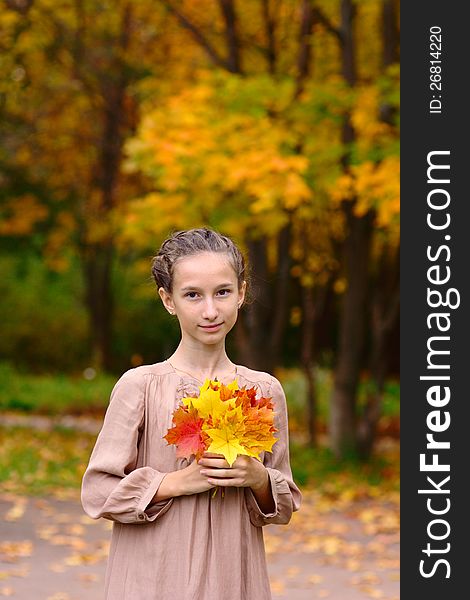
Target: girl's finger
{"x":214,"y":462}
{"x":225,"y":482}
{"x":222,"y":473}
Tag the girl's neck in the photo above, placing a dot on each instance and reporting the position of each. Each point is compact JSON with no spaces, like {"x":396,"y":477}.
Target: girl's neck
{"x":201,"y":367}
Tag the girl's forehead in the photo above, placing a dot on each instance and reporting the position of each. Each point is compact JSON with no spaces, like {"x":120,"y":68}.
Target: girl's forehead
{"x":199,"y":267}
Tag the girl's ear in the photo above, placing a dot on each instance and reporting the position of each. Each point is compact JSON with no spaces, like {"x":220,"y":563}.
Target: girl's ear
{"x":241,"y":294}
{"x":167,"y":300}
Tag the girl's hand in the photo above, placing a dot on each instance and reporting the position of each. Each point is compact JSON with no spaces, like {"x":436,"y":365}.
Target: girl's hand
{"x":191,"y":480}
{"x":246,"y":471}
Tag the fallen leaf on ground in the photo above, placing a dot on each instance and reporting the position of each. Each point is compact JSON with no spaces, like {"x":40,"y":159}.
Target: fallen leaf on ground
{"x":277,"y":587}
{"x":292,"y":572}
{"x":17,"y":510}
{"x":11,"y":551}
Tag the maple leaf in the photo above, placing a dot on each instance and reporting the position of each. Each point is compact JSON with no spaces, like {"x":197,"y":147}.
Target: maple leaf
{"x":187,"y":434}
{"x":228,"y":392}
{"x":227,"y":435}
{"x":225,"y":420}
{"x":212,"y":402}
{"x":259,"y":429}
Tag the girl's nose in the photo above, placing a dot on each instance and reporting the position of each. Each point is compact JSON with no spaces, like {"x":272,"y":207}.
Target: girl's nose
{"x":210,"y":310}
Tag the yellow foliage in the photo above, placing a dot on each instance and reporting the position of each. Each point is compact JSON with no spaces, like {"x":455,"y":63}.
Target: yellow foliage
{"x":365,"y":118}
{"x":373,"y":186}
{"x":194,"y":147}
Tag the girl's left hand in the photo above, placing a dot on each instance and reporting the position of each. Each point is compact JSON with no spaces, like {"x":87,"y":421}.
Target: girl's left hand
{"x":246,"y":471}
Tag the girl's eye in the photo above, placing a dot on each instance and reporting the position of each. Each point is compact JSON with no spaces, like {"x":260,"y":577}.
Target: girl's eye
{"x":193,"y":295}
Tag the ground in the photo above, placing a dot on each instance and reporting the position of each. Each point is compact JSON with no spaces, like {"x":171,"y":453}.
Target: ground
{"x":50,"y":550}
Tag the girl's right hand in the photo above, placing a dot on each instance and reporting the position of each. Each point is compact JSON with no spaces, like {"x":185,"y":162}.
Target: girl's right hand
{"x":192,"y":482}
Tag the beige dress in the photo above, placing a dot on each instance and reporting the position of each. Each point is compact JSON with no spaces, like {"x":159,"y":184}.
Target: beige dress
{"x":191,"y":547}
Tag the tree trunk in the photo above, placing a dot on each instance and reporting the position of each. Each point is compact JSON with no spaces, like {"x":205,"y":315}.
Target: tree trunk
{"x":385,"y":300}
{"x":98,"y":255}
{"x":352,"y":333}
{"x":280,"y":305}
{"x":384,"y":316}
{"x":355,"y":261}
{"x":307,"y":360}
{"x":257,"y":315}
{"x":260,"y":332}
{"x":97,"y":263}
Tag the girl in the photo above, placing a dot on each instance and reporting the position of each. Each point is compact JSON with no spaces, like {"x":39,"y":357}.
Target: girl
{"x":172,"y":540}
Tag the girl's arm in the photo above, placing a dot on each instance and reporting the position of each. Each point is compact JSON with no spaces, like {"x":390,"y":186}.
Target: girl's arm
{"x":112,"y":486}
{"x":281,"y":487}
{"x":264,"y":496}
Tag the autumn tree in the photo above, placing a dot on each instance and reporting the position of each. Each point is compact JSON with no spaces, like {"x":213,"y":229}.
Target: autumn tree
{"x":284,"y":145}
{"x":73,"y":100}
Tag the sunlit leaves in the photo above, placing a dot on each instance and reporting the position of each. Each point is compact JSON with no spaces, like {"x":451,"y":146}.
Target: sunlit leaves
{"x":221,"y":140}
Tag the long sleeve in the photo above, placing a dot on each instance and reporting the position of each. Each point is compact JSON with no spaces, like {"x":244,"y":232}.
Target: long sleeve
{"x":286,"y":494}
{"x":112,"y":486}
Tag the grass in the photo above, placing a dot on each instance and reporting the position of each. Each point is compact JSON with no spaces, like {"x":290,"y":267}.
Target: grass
{"x":38,"y":462}
{"x":318,"y":468}
{"x":60,"y":394}
{"x":53,"y":394}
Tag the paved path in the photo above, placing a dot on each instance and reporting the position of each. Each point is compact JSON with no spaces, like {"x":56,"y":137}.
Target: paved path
{"x":50,"y":550}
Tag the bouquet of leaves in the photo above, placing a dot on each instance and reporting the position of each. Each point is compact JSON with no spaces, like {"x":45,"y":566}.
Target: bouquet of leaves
{"x":223,"y":419}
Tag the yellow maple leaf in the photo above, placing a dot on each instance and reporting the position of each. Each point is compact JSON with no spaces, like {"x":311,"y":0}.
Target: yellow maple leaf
{"x":209,"y":404}
{"x":227,"y":435}
{"x":224,"y":442}
{"x":214,"y":398}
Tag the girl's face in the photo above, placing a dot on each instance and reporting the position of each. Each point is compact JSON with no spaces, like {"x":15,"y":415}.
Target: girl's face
{"x":205,"y":296}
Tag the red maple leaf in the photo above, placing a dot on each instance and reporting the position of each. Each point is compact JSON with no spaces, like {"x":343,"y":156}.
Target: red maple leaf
{"x":187,"y":434}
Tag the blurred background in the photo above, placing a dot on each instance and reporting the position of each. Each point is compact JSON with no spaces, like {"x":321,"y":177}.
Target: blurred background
{"x":275,"y":122}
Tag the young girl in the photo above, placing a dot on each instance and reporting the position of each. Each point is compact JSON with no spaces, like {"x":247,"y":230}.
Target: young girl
{"x":172,"y":539}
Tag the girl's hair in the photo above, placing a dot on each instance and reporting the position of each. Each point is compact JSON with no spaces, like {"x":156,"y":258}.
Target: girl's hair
{"x":189,"y":242}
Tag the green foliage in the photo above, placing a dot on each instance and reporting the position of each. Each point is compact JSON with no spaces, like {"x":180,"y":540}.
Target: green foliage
{"x":45,"y":325}
{"x":318,"y":468}
{"x":295,"y":386}
{"x":43,"y":318}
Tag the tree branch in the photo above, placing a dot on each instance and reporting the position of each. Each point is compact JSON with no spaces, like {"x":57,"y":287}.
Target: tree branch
{"x":233,"y":45}
{"x":305,"y":46}
{"x":320,"y":17}
{"x":270,"y":32}
{"x":197,"y":34}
